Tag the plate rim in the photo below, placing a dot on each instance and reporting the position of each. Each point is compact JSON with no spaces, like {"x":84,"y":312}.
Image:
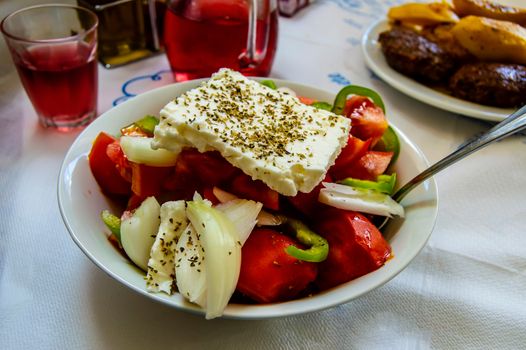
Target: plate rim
{"x":375,"y":60}
{"x":256,"y":312}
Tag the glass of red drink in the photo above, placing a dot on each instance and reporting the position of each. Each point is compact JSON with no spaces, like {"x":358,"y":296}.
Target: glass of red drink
{"x":54,"y":48}
{"x":201,"y":36}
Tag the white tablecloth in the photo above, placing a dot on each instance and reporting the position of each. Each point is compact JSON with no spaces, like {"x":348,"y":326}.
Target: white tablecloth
{"x":466,"y":289}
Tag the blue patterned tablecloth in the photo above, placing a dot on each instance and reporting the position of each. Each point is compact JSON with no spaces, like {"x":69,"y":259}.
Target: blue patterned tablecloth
{"x":466,"y":289}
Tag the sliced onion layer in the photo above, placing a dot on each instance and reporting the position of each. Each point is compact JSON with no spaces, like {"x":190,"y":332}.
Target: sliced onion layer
{"x":139,"y":150}
{"x":264,"y":218}
{"x":365,"y":201}
{"x":244,"y":215}
{"x":222,"y":254}
{"x":138,"y":231}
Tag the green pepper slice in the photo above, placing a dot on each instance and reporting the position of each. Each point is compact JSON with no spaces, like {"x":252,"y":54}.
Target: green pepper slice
{"x":384,"y":183}
{"x":322,"y":105}
{"x":147,"y":124}
{"x":318,"y":246}
{"x":269,"y":83}
{"x":341,"y":97}
{"x":113,"y":223}
{"x":389,"y":142}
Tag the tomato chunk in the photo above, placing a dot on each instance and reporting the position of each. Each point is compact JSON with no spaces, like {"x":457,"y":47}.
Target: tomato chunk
{"x":147,"y":180}
{"x":268,"y":274}
{"x":354,"y":150}
{"x":368,"y":120}
{"x":195,"y":171}
{"x":210,"y":168}
{"x":116,"y":154}
{"x":208,"y":193}
{"x":243,"y":186}
{"x":134,"y":202}
{"x":307,"y":203}
{"x":103,"y":168}
{"x":306,"y":100}
{"x":368,"y":166}
{"x":356,"y":247}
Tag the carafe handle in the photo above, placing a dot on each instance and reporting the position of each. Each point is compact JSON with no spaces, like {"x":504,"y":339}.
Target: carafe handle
{"x":250,"y":57}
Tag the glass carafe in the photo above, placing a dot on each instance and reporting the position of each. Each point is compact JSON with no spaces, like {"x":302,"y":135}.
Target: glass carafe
{"x":201,"y":36}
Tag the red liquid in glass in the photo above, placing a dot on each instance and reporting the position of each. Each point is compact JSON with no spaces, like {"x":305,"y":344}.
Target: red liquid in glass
{"x":61,"y":83}
{"x":200,"y":39}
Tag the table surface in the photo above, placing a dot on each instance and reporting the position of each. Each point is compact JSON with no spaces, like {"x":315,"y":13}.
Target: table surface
{"x":466,"y":289}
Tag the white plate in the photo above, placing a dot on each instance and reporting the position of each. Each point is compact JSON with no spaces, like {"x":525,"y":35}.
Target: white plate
{"x":81,"y":202}
{"x":375,"y":59}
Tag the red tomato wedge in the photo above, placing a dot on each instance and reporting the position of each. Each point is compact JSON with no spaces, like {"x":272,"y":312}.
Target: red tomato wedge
{"x":244,"y":187}
{"x":147,"y":180}
{"x":103,"y":168}
{"x":182,"y":181}
{"x":354,"y":150}
{"x":208,"y":193}
{"x":268,"y":274}
{"x":195,"y":171}
{"x":307,"y":203}
{"x":133,"y":203}
{"x":368,"y":166}
{"x":306,"y":100}
{"x":115,"y":153}
{"x":356,"y":247}
{"x":368,"y":120}
{"x":209,"y":168}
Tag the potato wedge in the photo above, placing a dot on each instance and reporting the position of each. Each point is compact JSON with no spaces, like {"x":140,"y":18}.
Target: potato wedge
{"x":490,"y":9}
{"x":492,"y":40}
{"x":423,"y":14}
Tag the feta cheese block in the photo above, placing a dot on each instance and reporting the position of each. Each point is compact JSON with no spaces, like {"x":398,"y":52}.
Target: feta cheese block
{"x":268,"y":134}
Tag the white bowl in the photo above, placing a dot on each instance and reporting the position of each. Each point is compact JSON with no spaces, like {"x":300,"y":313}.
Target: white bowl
{"x":81,"y":202}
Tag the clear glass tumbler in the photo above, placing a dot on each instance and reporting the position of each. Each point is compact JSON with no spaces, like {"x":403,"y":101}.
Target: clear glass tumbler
{"x":54,"y":48}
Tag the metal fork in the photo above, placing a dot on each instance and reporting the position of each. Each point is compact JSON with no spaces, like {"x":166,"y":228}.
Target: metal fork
{"x":514,"y":123}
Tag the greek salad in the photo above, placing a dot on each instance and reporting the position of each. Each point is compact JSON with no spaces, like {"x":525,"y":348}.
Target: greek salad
{"x":242,"y":191}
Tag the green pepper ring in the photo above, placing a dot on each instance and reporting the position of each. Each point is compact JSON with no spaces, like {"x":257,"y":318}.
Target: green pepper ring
{"x":389,"y":141}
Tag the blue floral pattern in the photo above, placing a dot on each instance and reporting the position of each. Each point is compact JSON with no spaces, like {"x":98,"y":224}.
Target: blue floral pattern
{"x":128,"y":85}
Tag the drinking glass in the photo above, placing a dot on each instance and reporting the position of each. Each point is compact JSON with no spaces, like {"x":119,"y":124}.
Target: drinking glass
{"x":54,"y":48}
{"x":201,"y":36}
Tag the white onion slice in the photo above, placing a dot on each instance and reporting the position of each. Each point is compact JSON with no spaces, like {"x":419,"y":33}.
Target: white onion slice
{"x":267,"y":219}
{"x":138,"y":231}
{"x":222,"y":254}
{"x":139,"y":150}
{"x":365,"y":201}
{"x":223,"y":196}
{"x":264,"y":217}
{"x":243,"y":213}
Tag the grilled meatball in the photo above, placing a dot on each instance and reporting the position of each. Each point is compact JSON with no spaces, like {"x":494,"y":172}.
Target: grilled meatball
{"x":414,"y":55}
{"x":442,"y":36}
{"x":492,"y":84}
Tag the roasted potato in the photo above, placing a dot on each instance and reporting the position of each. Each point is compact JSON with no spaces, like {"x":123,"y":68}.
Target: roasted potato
{"x":492,"y":40}
{"x":490,"y":9}
{"x":422,"y":14}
